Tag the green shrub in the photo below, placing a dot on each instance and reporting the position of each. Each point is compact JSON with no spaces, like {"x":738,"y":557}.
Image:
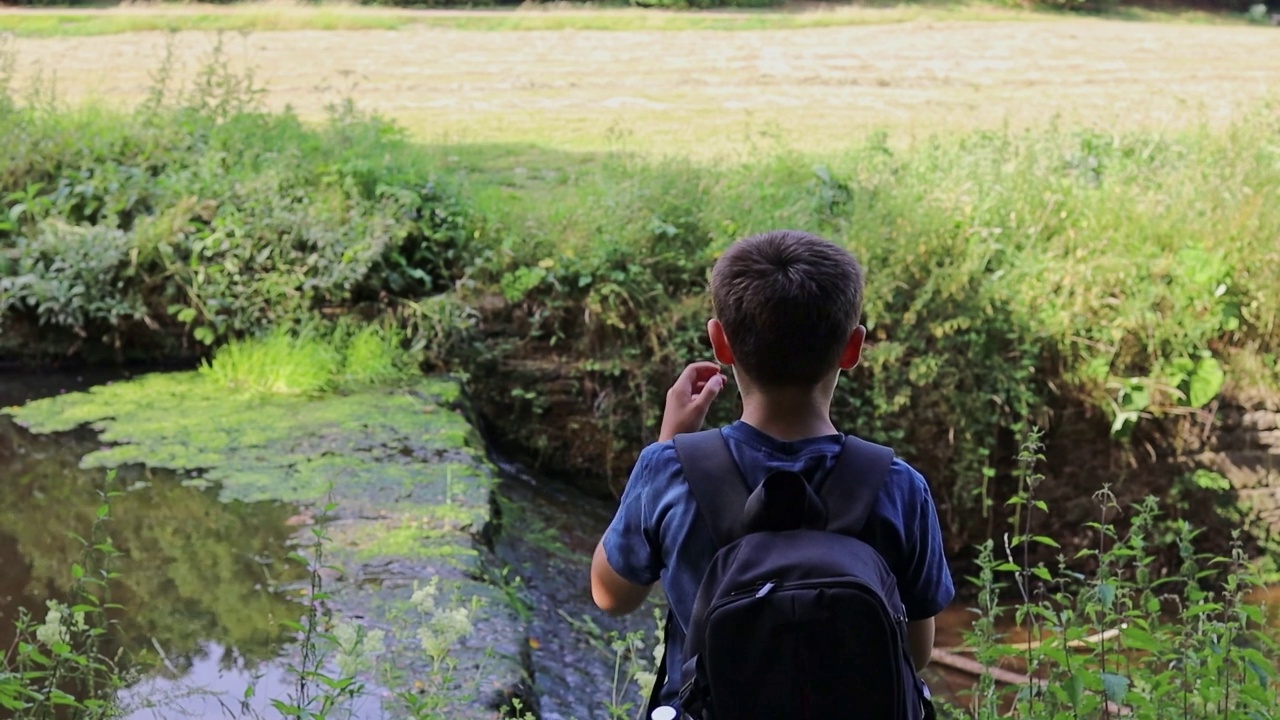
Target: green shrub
{"x":1012,"y":278}
{"x":200,"y":216}
{"x":375,"y":354}
{"x":281,"y":363}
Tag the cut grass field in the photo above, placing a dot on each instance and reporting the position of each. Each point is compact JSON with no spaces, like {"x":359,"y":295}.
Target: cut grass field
{"x":277,"y":16}
{"x":500,"y":96}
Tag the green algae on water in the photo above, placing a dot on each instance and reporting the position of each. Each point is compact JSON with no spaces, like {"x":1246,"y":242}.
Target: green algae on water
{"x":373,"y":442}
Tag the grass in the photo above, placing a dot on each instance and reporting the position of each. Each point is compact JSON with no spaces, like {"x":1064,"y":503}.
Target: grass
{"x":78,"y":23}
{"x":311,"y":361}
{"x":703,"y":94}
{"x":271,"y":17}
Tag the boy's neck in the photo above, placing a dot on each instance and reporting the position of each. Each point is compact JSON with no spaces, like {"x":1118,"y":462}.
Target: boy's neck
{"x":789,"y":415}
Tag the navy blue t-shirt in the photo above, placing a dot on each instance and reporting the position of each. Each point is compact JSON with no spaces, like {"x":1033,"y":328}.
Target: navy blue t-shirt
{"x":658,"y":534}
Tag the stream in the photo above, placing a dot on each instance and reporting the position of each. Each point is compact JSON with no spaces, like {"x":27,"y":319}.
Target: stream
{"x":204,"y":584}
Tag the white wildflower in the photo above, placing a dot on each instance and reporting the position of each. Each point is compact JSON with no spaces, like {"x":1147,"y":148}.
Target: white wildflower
{"x":54,"y":630}
{"x":444,"y":630}
{"x":357,"y":649}
{"x":424,"y":599}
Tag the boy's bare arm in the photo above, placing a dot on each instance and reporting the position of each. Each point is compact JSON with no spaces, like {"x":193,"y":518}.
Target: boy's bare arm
{"x":613,"y":593}
{"x":920,"y":635}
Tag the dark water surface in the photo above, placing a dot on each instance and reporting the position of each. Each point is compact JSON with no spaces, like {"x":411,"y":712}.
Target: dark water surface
{"x":202,"y":582}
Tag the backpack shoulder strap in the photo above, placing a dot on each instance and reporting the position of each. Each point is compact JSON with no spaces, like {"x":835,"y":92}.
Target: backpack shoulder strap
{"x":715,"y":481}
{"x":851,"y":488}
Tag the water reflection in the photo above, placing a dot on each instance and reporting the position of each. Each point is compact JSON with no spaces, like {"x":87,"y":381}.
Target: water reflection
{"x":201,"y":581}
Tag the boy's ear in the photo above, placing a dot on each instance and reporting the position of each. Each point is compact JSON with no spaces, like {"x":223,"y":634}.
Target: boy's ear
{"x":853,"y":350}
{"x":719,"y":342}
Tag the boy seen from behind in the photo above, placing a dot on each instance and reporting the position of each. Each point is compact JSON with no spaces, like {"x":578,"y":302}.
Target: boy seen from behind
{"x":787,"y":308}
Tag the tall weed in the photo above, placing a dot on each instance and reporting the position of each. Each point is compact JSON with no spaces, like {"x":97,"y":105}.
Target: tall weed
{"x":1109,"y":635}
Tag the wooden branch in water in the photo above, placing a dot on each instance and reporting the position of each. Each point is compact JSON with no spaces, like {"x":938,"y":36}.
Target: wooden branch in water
{"x":973,"y":667}
{"x":1083,"y":642}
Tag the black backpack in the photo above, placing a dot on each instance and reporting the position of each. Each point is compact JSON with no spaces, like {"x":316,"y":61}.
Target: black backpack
{"x":796,"y":618}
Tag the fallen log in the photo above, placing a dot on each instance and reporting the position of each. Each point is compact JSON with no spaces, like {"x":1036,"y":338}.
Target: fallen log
{"x":1083,"y":642}
{"x":973,"y":667}
{"x":1008,"y":677}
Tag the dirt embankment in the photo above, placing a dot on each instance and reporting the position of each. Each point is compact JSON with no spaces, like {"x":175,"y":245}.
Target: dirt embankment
{"x":585,"y":426}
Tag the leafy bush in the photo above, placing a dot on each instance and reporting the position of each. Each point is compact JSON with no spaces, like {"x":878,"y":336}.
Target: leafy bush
{"x":204,"y":218}
{"x":1012,"y":278}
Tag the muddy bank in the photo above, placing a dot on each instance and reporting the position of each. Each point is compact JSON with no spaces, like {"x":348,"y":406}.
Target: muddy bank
{"x":395,"y":482}
{"x":582,"y":661}
{"x":587,"y":422}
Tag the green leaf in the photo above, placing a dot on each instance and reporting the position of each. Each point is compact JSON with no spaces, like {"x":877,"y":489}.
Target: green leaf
{"x":1206,"y":382}
{"x":1075,"y":688}
{"x":77,"y":571}
{"x":1123,"y":421}
{"x":203,"y":335}
{"x":1107,"y":595}
{"x":1042,"y":573}
{"x":58,"y":697}
{"x":1254,"y":613}
{"x":1007,"y":567}
{"x":1115,"y":687}
{"x":1138,"y":639}
{"x":1046,"y":541}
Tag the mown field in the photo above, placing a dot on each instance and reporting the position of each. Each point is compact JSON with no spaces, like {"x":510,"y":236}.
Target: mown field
{"x":710,"y":92}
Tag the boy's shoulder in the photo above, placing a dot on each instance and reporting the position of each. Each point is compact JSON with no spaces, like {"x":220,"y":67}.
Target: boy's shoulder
{"x":660,"y":459}
{"x":658,"y":455}
{"x":904,"y":478}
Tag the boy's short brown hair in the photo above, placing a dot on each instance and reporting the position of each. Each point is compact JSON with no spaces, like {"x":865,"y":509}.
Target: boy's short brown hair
{"x":788,"y":301}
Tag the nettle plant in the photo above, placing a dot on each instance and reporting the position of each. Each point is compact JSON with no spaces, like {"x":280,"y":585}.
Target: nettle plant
{"x":60,"y":666}
{"x":1107,"y":636}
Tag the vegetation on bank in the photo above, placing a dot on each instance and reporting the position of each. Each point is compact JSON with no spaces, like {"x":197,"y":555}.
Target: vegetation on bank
{"x":1053,"y":276}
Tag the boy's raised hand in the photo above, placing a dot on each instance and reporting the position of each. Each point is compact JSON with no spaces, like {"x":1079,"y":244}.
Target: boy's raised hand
{"x":690,"y":398}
